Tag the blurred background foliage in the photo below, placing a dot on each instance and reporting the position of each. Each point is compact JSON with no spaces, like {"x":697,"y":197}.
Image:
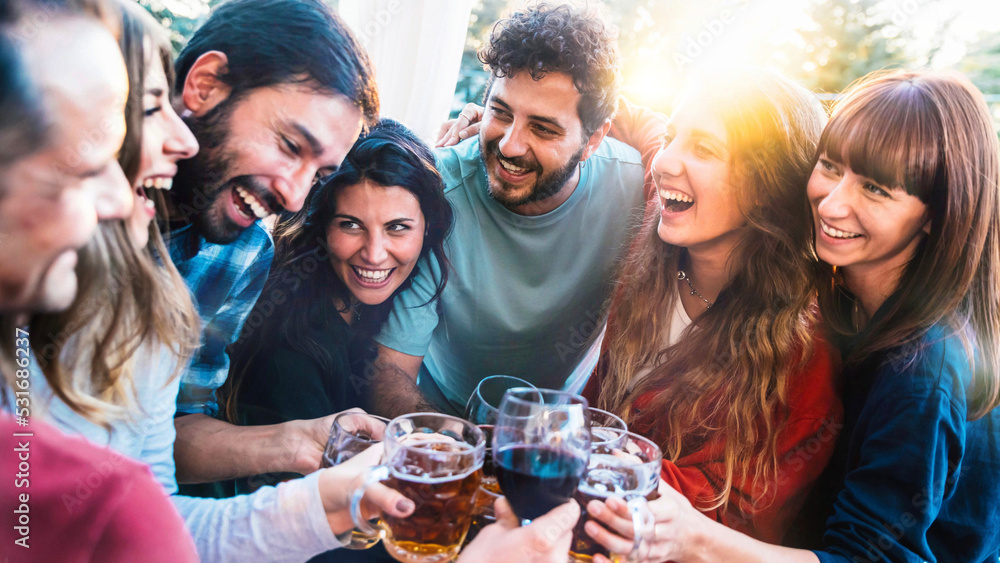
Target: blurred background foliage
{"x":825,"y":44}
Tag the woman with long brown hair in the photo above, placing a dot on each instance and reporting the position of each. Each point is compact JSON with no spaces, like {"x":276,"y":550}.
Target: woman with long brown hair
{"x":905,"y":197}
{"x":711,"y":347}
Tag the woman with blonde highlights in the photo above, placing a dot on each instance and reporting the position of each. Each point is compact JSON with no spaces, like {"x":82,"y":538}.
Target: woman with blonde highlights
{"x":710,"y":347}
{"x":905,"y":198}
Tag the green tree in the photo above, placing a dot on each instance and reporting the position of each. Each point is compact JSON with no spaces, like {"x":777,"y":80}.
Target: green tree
{"x":982,"y":65}
{"x":849,"y":39}
{"x":471,"y":77}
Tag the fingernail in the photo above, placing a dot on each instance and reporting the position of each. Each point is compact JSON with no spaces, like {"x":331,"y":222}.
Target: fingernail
{"x":404,"y":505}
{"x":462,"y":134}
{"x":595,"y":509}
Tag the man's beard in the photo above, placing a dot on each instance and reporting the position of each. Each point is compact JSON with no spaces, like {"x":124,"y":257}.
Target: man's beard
{"x":546,"y":184}
{"x":203,"y":183}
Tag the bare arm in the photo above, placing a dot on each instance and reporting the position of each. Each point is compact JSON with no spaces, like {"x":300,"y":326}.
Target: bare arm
{"x":394,"y":384}
{"x":208,"y":449}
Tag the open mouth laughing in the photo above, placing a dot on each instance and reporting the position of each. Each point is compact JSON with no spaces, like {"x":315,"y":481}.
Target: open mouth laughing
{"x":674,"y":201}
{"x":248,"y":205}
{"x":153,"y":183}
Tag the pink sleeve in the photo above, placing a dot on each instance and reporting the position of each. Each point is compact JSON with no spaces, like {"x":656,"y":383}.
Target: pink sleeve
{"x":144,"y":526}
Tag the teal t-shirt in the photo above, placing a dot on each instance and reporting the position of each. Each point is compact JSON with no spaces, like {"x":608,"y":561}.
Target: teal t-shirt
{"x":527,"y":295}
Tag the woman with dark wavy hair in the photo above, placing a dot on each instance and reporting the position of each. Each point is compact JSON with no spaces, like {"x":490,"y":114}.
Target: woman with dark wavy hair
{"x":339,"y":263}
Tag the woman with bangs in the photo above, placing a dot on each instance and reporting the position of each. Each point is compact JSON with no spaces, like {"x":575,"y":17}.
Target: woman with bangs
{"x":905,"y":198}
{"x":712,"y":346}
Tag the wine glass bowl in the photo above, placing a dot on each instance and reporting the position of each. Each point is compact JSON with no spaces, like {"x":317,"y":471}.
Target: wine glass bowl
{"x":484,"y":403}
{"x":541,"y":443}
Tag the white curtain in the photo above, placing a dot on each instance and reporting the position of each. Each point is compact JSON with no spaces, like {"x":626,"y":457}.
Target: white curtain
{"x":416,"y":46}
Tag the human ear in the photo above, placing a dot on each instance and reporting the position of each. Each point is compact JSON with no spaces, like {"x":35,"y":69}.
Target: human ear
{"x":204,"y":88}
{"x":595,"y":140}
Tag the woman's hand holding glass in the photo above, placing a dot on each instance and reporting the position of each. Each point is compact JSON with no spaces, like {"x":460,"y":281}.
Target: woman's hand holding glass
{"x":337,"y":485}
{"x":676,"y":531}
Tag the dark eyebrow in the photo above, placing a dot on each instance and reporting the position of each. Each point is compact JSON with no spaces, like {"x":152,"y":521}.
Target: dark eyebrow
{"x":349,"y":218}
{"x":541,"y":118}
{"x":314,"y":145}
{"x":400,"y":220}
{"x":155,"y":92}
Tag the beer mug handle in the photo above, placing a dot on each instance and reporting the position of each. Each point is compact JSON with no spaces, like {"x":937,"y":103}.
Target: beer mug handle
{"x":642,"y":524}
{"x":372,"y":475}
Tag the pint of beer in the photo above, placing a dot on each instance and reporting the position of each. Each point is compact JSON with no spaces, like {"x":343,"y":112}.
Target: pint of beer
{"x":436,"y":461}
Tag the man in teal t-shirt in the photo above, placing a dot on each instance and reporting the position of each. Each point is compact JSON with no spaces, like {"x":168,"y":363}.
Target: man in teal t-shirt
{"x":544,"y":208}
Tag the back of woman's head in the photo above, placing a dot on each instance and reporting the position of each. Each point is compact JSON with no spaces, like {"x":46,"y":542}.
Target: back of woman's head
{"x":932,"y":134}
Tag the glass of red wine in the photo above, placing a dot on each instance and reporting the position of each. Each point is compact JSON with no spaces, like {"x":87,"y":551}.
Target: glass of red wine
{"x":541,"y":444}
{"x":484,"y":403}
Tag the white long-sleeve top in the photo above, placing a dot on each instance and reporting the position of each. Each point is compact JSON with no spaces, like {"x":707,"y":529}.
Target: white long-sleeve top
{"x":285,"y":523}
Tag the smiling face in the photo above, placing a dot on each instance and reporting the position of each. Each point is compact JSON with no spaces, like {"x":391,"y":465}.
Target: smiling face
{"x":698,"y":207}
{"x":375,"y":239}
{"x":165,"y":141}
{"x":51,"y":201}
{"x":866,"y":228}
{"x":262,"y":153}
{"x":532,"y":141}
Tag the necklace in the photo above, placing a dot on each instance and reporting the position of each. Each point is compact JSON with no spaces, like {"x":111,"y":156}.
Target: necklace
{"x":682,"y":275}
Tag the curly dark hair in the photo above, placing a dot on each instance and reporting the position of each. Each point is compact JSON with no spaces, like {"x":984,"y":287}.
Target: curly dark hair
{"x":564,"y":39}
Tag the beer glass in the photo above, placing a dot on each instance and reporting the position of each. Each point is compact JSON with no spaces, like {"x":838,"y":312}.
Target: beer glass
{"x":436,"y":461}
{"x":628,"y":468}
{"x":541,"y":442}
{"x":601,"y":425}
{"x":350,"y":434}
{"x":489,"y":490}
{"x":484,"y":402}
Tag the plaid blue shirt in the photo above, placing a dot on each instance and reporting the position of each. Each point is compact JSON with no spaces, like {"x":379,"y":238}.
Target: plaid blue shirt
{"x":225,"y":281}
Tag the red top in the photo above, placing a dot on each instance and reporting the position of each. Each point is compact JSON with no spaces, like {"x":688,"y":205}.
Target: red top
{"x":82,"y":503}
{"x":804,"y":446}
{"x":814,"y":416}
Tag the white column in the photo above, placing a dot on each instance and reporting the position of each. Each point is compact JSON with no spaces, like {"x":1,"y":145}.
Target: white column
{"x":416,"y":47}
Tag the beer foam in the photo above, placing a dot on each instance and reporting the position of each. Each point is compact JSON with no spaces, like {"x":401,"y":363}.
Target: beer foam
{"x":430,"y":461}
